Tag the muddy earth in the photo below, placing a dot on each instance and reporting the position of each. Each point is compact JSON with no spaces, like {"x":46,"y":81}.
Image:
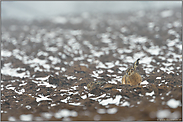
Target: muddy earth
{"x":70,"y":67}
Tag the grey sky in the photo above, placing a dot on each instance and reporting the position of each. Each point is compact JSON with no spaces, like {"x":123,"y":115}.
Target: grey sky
{"x":45,"y":9}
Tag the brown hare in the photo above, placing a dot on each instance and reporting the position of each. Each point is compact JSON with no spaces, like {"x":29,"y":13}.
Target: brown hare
{"x":132,"y":77}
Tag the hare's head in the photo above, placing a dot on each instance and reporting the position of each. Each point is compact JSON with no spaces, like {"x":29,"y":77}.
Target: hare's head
{"x":131,"y":70}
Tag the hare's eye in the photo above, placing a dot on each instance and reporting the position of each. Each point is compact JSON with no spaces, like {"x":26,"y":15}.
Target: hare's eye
{"x":132,"y":70}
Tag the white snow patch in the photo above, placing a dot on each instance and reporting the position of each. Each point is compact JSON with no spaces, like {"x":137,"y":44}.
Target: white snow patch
{"x":6,"y":53}
{"x":26,"y":117}
{"x":11,"y":118}
{"x":158,"y":77}
{"x":119,"y":90}
{"x":65,"y":113}
{"x":89,"y":95}
{"x":40,"y":83}
{"x":144,"y":82}
{"x":152,"y":100}
{"x":74,"y":87}
{"x":126,"y":103}
{"x":65,"y":100}
{"x":28,"y":107}
{"x":112,"y":81}
{"x":43,"y":78}
{"x":168,"y":93}
{"x":84,"y":96}
{"x":172,"y":103}
{"x":42,"y":98}
{"x":112,"y":110}
{"x":115,"y":101}
{"x":122,"y":68}
{"x":70,"y":77}
{"x":85,"y":87}
{"x":101,"y":96}
{"x":150,"y":94}
{"x":75,"y":104}
{"x":101,"y":111}
{"x":7,"y":70}
{"x":163,"y":114}
{"x":110,"y":64}
{"x":163,"y":81}
{"x":101,"y":65}
{"x":47,"y":115}
{"x":109,"y":70}
{"x":146,"y":60}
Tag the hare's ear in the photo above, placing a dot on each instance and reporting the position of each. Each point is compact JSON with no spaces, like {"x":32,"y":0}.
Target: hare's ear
{"x":127,"y":70}
{"x":136,"y":63}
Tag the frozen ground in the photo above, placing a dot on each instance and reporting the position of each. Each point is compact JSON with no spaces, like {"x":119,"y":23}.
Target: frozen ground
{"x":47,"y":65}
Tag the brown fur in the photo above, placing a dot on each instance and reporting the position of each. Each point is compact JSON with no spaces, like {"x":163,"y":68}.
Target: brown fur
{"x":132,"y":77}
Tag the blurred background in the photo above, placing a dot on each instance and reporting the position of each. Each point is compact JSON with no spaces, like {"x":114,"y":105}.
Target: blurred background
{"x":29,"y":10}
